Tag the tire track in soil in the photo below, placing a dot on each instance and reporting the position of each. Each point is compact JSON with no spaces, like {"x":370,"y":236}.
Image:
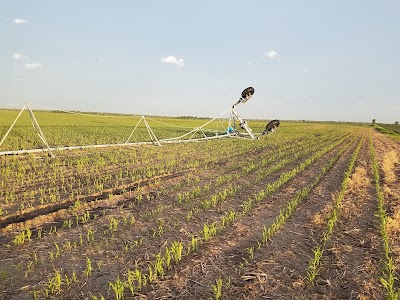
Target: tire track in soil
{"x":193,"y":278}
{"x":47,"y":209}
{"x":351,"y":260}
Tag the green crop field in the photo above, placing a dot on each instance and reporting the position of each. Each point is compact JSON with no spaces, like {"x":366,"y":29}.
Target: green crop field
{"x":310,"y":211}
{"x":391,"y":130}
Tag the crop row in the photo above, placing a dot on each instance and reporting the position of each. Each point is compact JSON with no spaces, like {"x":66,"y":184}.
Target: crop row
{"x":319,"y":249}
{"x":388,"y":278}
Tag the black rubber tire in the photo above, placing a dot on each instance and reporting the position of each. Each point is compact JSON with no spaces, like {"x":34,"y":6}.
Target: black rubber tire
{"x":271,"y":126}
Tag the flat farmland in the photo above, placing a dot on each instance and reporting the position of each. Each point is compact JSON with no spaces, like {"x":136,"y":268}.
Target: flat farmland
{"x":310,"y":211}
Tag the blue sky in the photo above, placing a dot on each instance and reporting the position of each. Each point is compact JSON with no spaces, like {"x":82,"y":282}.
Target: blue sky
{"x":307,"y":60}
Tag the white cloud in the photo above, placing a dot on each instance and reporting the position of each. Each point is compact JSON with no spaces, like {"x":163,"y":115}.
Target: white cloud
{"x":18,"y":56}
{"x":101,"y":59}
{"x":172,"y":60}
{"x":271,"y":54}
{"x":20,"y":21}
{"x":33,"y":66}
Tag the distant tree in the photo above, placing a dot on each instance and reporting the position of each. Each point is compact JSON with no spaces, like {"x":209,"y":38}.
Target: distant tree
{"x":396,"y":123}
{"x":373,"y":121}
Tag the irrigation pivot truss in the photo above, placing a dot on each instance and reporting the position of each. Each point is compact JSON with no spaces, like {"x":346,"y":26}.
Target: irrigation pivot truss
{"x":237,"y":128}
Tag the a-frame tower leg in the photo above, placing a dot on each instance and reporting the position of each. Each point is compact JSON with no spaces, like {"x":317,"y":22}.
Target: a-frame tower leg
{"x":36,"y":127}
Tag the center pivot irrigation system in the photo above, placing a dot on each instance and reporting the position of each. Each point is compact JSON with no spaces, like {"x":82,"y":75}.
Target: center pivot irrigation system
{"x":235,"y":129}
{"x":246,"y":95}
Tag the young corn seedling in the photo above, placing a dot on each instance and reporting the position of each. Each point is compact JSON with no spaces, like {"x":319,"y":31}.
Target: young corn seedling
{"x":130,"y":282}
{"x":176,"y":249}
{"x":58,"y":253}
{"x":194,"y":244}
{"x":113,"y":226}
{"x":250,"y":251}
{"x":118,"y":287}
{"x":312,"y":271}
{"x":217,"y":288}
{"x":151,"y":276}
{"x":228,"y":218}
{"x":54,"y":284}
{"x":90,"y":235}
{"x":19,"y":239}
{"x":167,"y":258}
{"x":209,"y":231}
{"x":88,"y":270}
{"x":159,"y":266}
{"x":140,"y":278}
